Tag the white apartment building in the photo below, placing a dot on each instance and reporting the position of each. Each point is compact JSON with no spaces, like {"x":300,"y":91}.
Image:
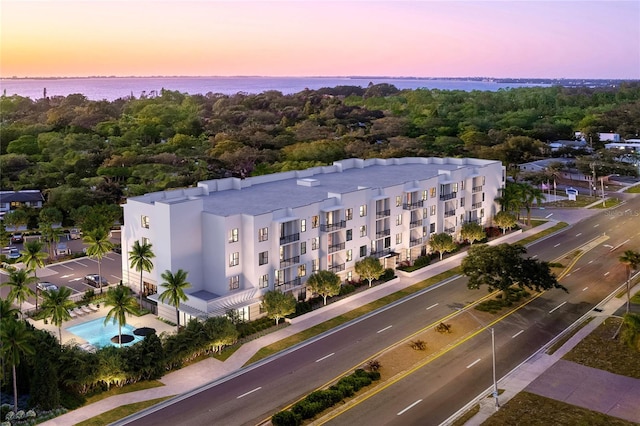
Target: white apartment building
{"x":238,"y":238}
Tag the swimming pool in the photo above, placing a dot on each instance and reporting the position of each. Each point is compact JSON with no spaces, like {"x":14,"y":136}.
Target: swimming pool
{"x":99,"y":334}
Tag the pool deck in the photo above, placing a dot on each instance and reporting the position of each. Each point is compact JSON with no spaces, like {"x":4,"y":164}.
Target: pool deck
{"x":148,"y":320}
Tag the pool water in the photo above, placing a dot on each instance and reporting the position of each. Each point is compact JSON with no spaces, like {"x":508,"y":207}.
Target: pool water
{"x":99,"y":334}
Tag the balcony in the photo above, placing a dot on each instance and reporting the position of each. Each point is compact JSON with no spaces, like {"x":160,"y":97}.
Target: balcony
{"x":336,"y":268}
{"x":336,"y":247}
{"x":289,"y":238}
{"x":383,"y":233}
{"x":477,"y":189}
{"x":415,"y":242}
{"x":289,"y":262}
{"x":476,"y":205}
{"x":415,"y":223}
{"x":412,"y":206}
{"x":334,"y":226}
{"x":449,"y":196}
{"x":380,"y":253}
{"x":287,"y":285}
{"x":451,"y":230}
{"x":477,"y":220}
{"x":383,"y":213}
{"x":449,"y":213}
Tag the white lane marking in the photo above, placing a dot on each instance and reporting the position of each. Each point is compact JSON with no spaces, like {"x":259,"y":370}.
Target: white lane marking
{"x":607,"y":246}
{"x":67,"y":276}
{"x":432,"y":306}
{"x":384,"y":329}
{"x":534,"y":256}
{"x":250,"y":392}
{"x":325,"y":357}
{"x":473,"y":363}
{"x":578,"y":234}
{"x":591,"y":261}
{"x":596,"y":225}
{"x":557,"y":307}
{"x":409,"y":407}
{"x":568,"y":275}
{"x":116,"y":277}
{"x":80,"y":263}
{"x":517,"y":334}
{"x":75,"y":279}
{"x":65,"y":266}
{"x":585,"y":289}
{"x":627,"y":210}
{"x":577,"y":269}
{"x":548,"y":216}
{"x":557,"y":245}
{"x":612,"y":218}
{"x":606,"y":273}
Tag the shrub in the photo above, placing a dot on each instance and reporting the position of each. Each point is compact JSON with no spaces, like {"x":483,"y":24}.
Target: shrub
{"x":373,"y":365}
{"x":418,"y":345}
{"x":443,"y":328}
{"x":422,"y":261}
{"x":346,"y":289}
{"x":88,"y":296}
{"x":388,"y":275}
{"x":307,"y":409}
{"x":285,"y":418}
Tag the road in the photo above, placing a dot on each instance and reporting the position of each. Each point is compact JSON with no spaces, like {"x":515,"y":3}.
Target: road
{"x":443,"y":386}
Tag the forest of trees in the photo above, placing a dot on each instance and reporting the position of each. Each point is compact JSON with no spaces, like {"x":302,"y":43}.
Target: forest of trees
{"x":83,"y":152}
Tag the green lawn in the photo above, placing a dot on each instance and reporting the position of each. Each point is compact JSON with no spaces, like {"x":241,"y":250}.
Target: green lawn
{"x":120,"y":413}
{"x":633,"y":190}
{"x":134,"y":387}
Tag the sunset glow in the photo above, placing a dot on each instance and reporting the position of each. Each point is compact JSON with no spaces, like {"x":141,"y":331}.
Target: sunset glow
{"x":560,"y":39}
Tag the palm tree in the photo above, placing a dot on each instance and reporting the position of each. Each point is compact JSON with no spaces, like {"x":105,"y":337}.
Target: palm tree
{"x":174,"y":294}
{"x":7,"y":311}
{"x":123,"y":303}
{"x":509,"y":199}
{"x":631,"y":260}
{"x":528,"y":195}
{"x":33,"y":257}
{"x":51,"y":235}
{"x":98,"y":245}
{"x":140,"y":257}
{"x":56,"y":305}
{"x":15,"y":342}
{"x":19,"y":281}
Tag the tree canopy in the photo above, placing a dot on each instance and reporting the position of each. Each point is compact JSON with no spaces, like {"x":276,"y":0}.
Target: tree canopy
{"x":369,"y":268}
{"x":278,"y":304}
{"x":324,"y":283}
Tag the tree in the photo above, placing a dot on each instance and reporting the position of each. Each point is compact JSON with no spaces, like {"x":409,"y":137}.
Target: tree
{"x":19,"y":281}
{"x":140,"y":257}
{"x":530,"y":194}
{"x":33,"y":258}
{"x":631,"y":260}
{"x":175,"y":285}
{"x":98,"y":245}
{"x":324,"y":283}
{"x":15,"y":339}
{"x":15,"y":219}
{"x":504,"y":220}
{"x":471,"y":232}
{"x":123,"y":304}
{"x":510,"y":199}
{"x":369,"y":268}
{"x":442,"y":243}
{"x":631,"y":332}
{"x":278,"y":304}
{"x":502,"y":266}
{"x":221,"y":331}
{"x":7,"y":311}
{"x":56,"y":305}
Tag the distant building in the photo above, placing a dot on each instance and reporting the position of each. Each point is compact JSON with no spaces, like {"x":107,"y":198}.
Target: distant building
{"x":568,"y":144}
{"x":569,"y":171}
{"x":629,"y":146}
{"x":11,"y":200}
{"x":238,"y":238}
{"x":603,"y":137}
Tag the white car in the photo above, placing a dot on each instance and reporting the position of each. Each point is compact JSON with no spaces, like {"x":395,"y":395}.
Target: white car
{"x":46,"y":286}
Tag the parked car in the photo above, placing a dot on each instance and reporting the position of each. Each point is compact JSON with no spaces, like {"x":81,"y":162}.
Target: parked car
{"x":46,"y":286}
{"x":95,"y":280}
{"x":75,"y":234}
{"x":11,"y":252}
{"x":17,"y":237}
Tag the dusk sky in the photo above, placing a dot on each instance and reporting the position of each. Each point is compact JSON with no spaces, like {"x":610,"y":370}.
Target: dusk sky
{"x":538,"y":39}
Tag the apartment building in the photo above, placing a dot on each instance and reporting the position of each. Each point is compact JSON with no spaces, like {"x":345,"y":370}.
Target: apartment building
{"x":238,"y":238}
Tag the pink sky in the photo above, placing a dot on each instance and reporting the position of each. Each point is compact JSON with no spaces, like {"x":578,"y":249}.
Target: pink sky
{"x":557,"y":39}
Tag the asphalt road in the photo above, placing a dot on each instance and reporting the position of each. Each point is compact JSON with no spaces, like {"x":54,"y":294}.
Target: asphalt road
{"x":443,"y":386}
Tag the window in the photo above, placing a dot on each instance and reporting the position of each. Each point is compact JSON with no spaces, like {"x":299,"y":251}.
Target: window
{"x":363,"y":210}
{"x":303,"y":225}
{"x":398,"y":200}
{"x":348,"y":214}
{"x":399,"y":219}
{"x":315,"y":221}
{"x":432,"y":192}
{"x":363,"y":231}
{"x":387,"y":242}
{"x":315,"y":265}
{"x":234,"y":282}
{"x":302,"y":270}
{"x":398,"y":238}
{"x":145,"y":241}
{"x":145,"y":221}
{"x":481,"y":212}
{"x":263,"y":258}
{"x":263,"y":282}
{"x":425,"y":194}
{"x":432,"y":211}
{"x":349,"y":275}
{"x":454,"y":187}
{"x":363,"y":251}
{"x":424,"y":231}
{"x":349,"y":255}
{"x":303,"y":247}
{"x":432,"y":228}
{"x":233,"y":235}
{"x":461,"y":202}
{"x":234,"y":259}
{"x":461,"y":185}
{"x":315,"y":243}
{"x":263,"y":234}
{"x":349,"y":234}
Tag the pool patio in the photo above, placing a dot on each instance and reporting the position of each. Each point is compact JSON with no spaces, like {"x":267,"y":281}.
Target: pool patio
{"x":148,"y":320}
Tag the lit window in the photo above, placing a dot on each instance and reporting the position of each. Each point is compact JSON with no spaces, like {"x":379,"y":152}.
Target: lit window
{"x":433,"y":210}
{"x":363,"y":251}
{"x":363,"y":231}
{"x":399,"y":219}
{"x":315,"y":243}
{"x":145,"y":241}
{"x":349,"y":275}
{"x":233,"y":235}
{"x":454,"y":187}
{"x":263,"y":234}
{"x":363,"y":210}
{"x":145,"y":222}
{"x":302,"y":270}
{"x":303,"y":225}
{"x":303,"y":247}
{"x":425,"y":193}
{"x":349,"y":255}
{"x":398,"y":238}
{"x":315,"y":221}
{"x":348,"y":214}
{"x":263,"y":258}
{"x":263,"y":281}
{"x":234,"y":259}
{"x":398,"y":200}
{"x":432,"y":192}
{"x":315,"y":265}
{"x":234,"y":282}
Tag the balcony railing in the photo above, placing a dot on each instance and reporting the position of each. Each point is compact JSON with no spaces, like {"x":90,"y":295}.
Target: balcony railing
{"x":415,"y":223}
{"x":411,"y":206}
{"x":476,"y":205}
{"x":476,"y":189}
{"x":450,"y":230}
{"x":289,"y":238}
{"x":477,"y":220}
{"x":449,"y":213}
{"x":286,"y":285}
{"x":336,"y":247}
{"x":415,"y":242}
{"x":383,"y":233}
{"x":336,"y":268}
{"x":288,"y":262}
{"x":449,"y":196}
{"x":380,"y":253}
{"x":333,"y":226}
{"x":383,"y":213}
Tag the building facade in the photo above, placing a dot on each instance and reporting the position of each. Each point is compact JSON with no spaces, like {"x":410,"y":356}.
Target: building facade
{"x":238,"y":238}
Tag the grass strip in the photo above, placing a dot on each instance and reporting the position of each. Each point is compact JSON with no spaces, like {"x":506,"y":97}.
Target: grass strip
{"x":633,"y":190}
{"x":134,"y":387}
{"x":463,"y":419}
{"x":541,"y":234}
{"x":609,"y":202}
{"x":120,"y":412}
